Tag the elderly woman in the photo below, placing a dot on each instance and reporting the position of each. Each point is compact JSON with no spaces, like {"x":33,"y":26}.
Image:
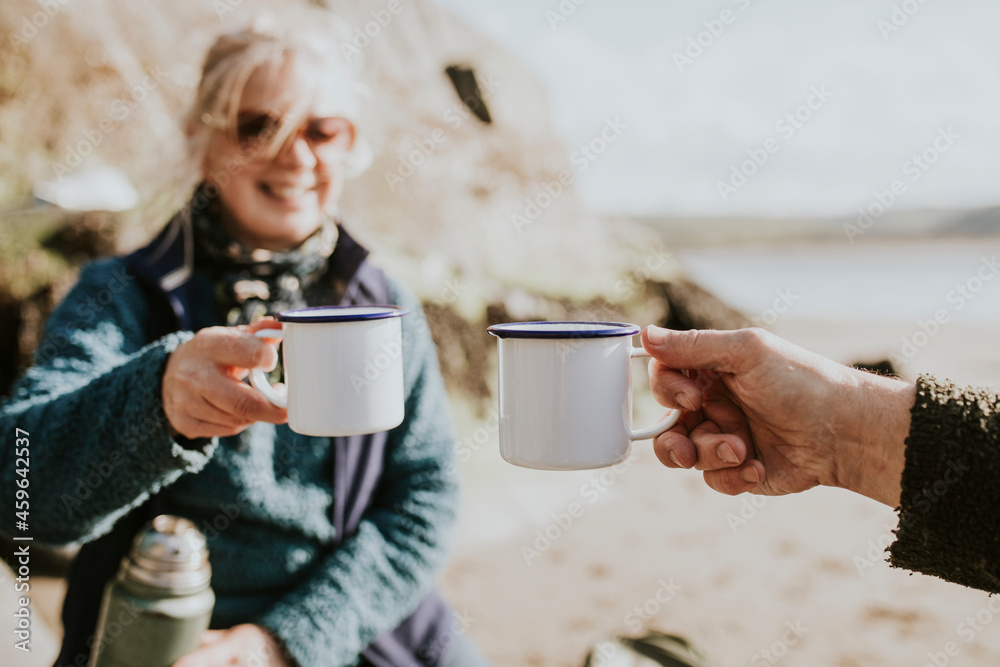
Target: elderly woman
{"x":329,"y":547}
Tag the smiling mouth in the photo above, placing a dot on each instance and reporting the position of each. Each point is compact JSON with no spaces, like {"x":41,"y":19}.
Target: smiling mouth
{"x":286,"y":193}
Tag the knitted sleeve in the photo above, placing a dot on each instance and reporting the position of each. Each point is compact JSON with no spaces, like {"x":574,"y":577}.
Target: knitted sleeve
{"x":98,"y":439}
{"x":949,"y":525}
{"x":379,"y":575}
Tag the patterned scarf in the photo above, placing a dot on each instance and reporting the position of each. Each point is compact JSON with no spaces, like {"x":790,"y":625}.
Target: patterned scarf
{"x":251,"y":283}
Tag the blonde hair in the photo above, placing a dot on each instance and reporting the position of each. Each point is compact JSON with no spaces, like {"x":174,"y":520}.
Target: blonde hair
{"x":235,"y":57}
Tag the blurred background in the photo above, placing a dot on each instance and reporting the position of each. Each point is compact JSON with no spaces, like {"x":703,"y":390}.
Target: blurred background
{"x":829,"y":172}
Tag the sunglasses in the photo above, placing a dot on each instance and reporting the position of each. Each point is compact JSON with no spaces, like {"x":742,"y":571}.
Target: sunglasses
{"x":255,"y":128}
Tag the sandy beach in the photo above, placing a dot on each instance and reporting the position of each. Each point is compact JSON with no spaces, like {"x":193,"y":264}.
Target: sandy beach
{"x":660,"y":550}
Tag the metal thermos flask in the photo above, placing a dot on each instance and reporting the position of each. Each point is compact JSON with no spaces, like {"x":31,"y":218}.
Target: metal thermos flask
{"x":155,"y":610}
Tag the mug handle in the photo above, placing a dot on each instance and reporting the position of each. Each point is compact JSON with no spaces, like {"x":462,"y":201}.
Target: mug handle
{"x":672,"y":417}
{"x":260,"y":381}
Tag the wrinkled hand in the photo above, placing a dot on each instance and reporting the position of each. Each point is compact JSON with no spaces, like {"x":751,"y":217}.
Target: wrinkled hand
{"x":239,"y":645}
{"x":768,"y":417}
{"x":202,"y":389}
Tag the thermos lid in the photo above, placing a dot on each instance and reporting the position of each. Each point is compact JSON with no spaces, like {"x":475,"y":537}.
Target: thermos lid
{"x":169,"y":553}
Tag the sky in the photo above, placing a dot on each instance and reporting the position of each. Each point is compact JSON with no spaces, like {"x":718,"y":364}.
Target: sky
{"x":768,"y":107}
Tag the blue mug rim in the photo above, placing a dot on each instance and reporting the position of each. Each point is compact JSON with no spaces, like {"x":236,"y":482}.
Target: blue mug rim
{"x":314,"y":314}
{"x":600,"y":330}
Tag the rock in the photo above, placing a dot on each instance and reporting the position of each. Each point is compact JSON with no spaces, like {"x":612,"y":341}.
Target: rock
{"x":84,"y":237}
{"x":693,"y":307}
{"x":26,"y":319}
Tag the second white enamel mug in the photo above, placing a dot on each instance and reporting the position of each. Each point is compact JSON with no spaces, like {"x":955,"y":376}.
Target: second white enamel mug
{"x":566,"y":394}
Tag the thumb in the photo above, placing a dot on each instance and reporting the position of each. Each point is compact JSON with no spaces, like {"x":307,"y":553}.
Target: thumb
{"x":697,"y":349}
{"x":209,"y":637}
{"x":263,"y":323}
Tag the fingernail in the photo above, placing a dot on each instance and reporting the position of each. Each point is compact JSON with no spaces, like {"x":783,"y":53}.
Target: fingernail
{"x":750,"y":475}
{"x":673,"y":458}
{"x":656,"y":335}
{"x":727,"y":454}
{"x":682,"y":400}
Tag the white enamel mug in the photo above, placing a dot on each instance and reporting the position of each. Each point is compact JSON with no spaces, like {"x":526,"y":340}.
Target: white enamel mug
{"x":566,"y":394}
{"x":343,"y":369}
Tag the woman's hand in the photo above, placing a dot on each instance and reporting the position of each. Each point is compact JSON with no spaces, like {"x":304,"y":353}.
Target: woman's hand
{"x":203,"y":392}
{"x":239,"y":645}
{"x":770,"y":418}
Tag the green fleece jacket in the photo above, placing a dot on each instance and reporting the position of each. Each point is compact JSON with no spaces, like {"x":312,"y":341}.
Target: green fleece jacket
{"x":100,"y":445}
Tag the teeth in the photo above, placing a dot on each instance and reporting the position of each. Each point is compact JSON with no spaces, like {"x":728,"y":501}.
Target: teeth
{"x":287,"y":192}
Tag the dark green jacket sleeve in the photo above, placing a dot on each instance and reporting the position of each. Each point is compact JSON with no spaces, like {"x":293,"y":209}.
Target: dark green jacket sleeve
{"x":99,"y":441}
{"x":949,"y":515}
